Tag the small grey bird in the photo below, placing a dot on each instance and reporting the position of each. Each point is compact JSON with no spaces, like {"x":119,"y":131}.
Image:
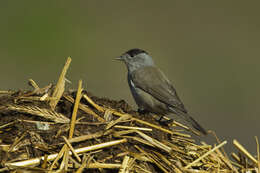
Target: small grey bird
{"x":151,"y":89}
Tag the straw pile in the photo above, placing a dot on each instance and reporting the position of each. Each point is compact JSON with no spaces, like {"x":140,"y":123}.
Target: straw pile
{"x":52,"y":130}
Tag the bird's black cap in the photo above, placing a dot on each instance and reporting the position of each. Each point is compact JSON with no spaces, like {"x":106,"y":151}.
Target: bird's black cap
{"x":135,"y":51}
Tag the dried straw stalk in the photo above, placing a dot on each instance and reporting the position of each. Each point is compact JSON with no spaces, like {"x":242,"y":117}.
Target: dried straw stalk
{"x":60,"y":86}
{"x":36,"y":161}
{"x":244,"y":151}
{"x":42,"y":112}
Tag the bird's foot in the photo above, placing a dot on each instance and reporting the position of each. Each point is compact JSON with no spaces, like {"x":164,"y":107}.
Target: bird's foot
{"x":165,"y":122}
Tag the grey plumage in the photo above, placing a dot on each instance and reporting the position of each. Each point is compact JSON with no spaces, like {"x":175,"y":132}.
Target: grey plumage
{"x":151,"y":89}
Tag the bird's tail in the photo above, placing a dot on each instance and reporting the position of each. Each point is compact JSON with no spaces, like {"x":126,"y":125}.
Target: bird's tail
{"x":196,"y":125}
{"x":192,"y":121}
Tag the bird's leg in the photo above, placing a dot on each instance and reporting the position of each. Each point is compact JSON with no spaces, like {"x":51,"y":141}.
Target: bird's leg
{"x":146,"y":114}
{"x":160,"y":118}
{"x":142,"y":111}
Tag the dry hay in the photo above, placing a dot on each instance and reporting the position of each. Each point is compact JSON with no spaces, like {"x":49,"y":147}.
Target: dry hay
{"x":49,"y":130}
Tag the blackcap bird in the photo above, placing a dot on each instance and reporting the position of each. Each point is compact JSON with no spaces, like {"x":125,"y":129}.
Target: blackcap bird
{"x":151,"y":89}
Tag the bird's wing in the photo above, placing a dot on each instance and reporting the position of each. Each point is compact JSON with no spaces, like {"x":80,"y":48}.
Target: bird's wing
{"x":154,"y":82}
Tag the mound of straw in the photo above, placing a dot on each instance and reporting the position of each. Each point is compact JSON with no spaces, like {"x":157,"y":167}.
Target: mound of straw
{"x":102,"y":139}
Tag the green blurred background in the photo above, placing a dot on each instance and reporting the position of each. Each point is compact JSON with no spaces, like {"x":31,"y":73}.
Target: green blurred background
{"x":209,"y":49}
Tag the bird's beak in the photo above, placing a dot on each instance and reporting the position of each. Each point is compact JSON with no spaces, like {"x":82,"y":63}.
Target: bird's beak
{"x":118,"y":58}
